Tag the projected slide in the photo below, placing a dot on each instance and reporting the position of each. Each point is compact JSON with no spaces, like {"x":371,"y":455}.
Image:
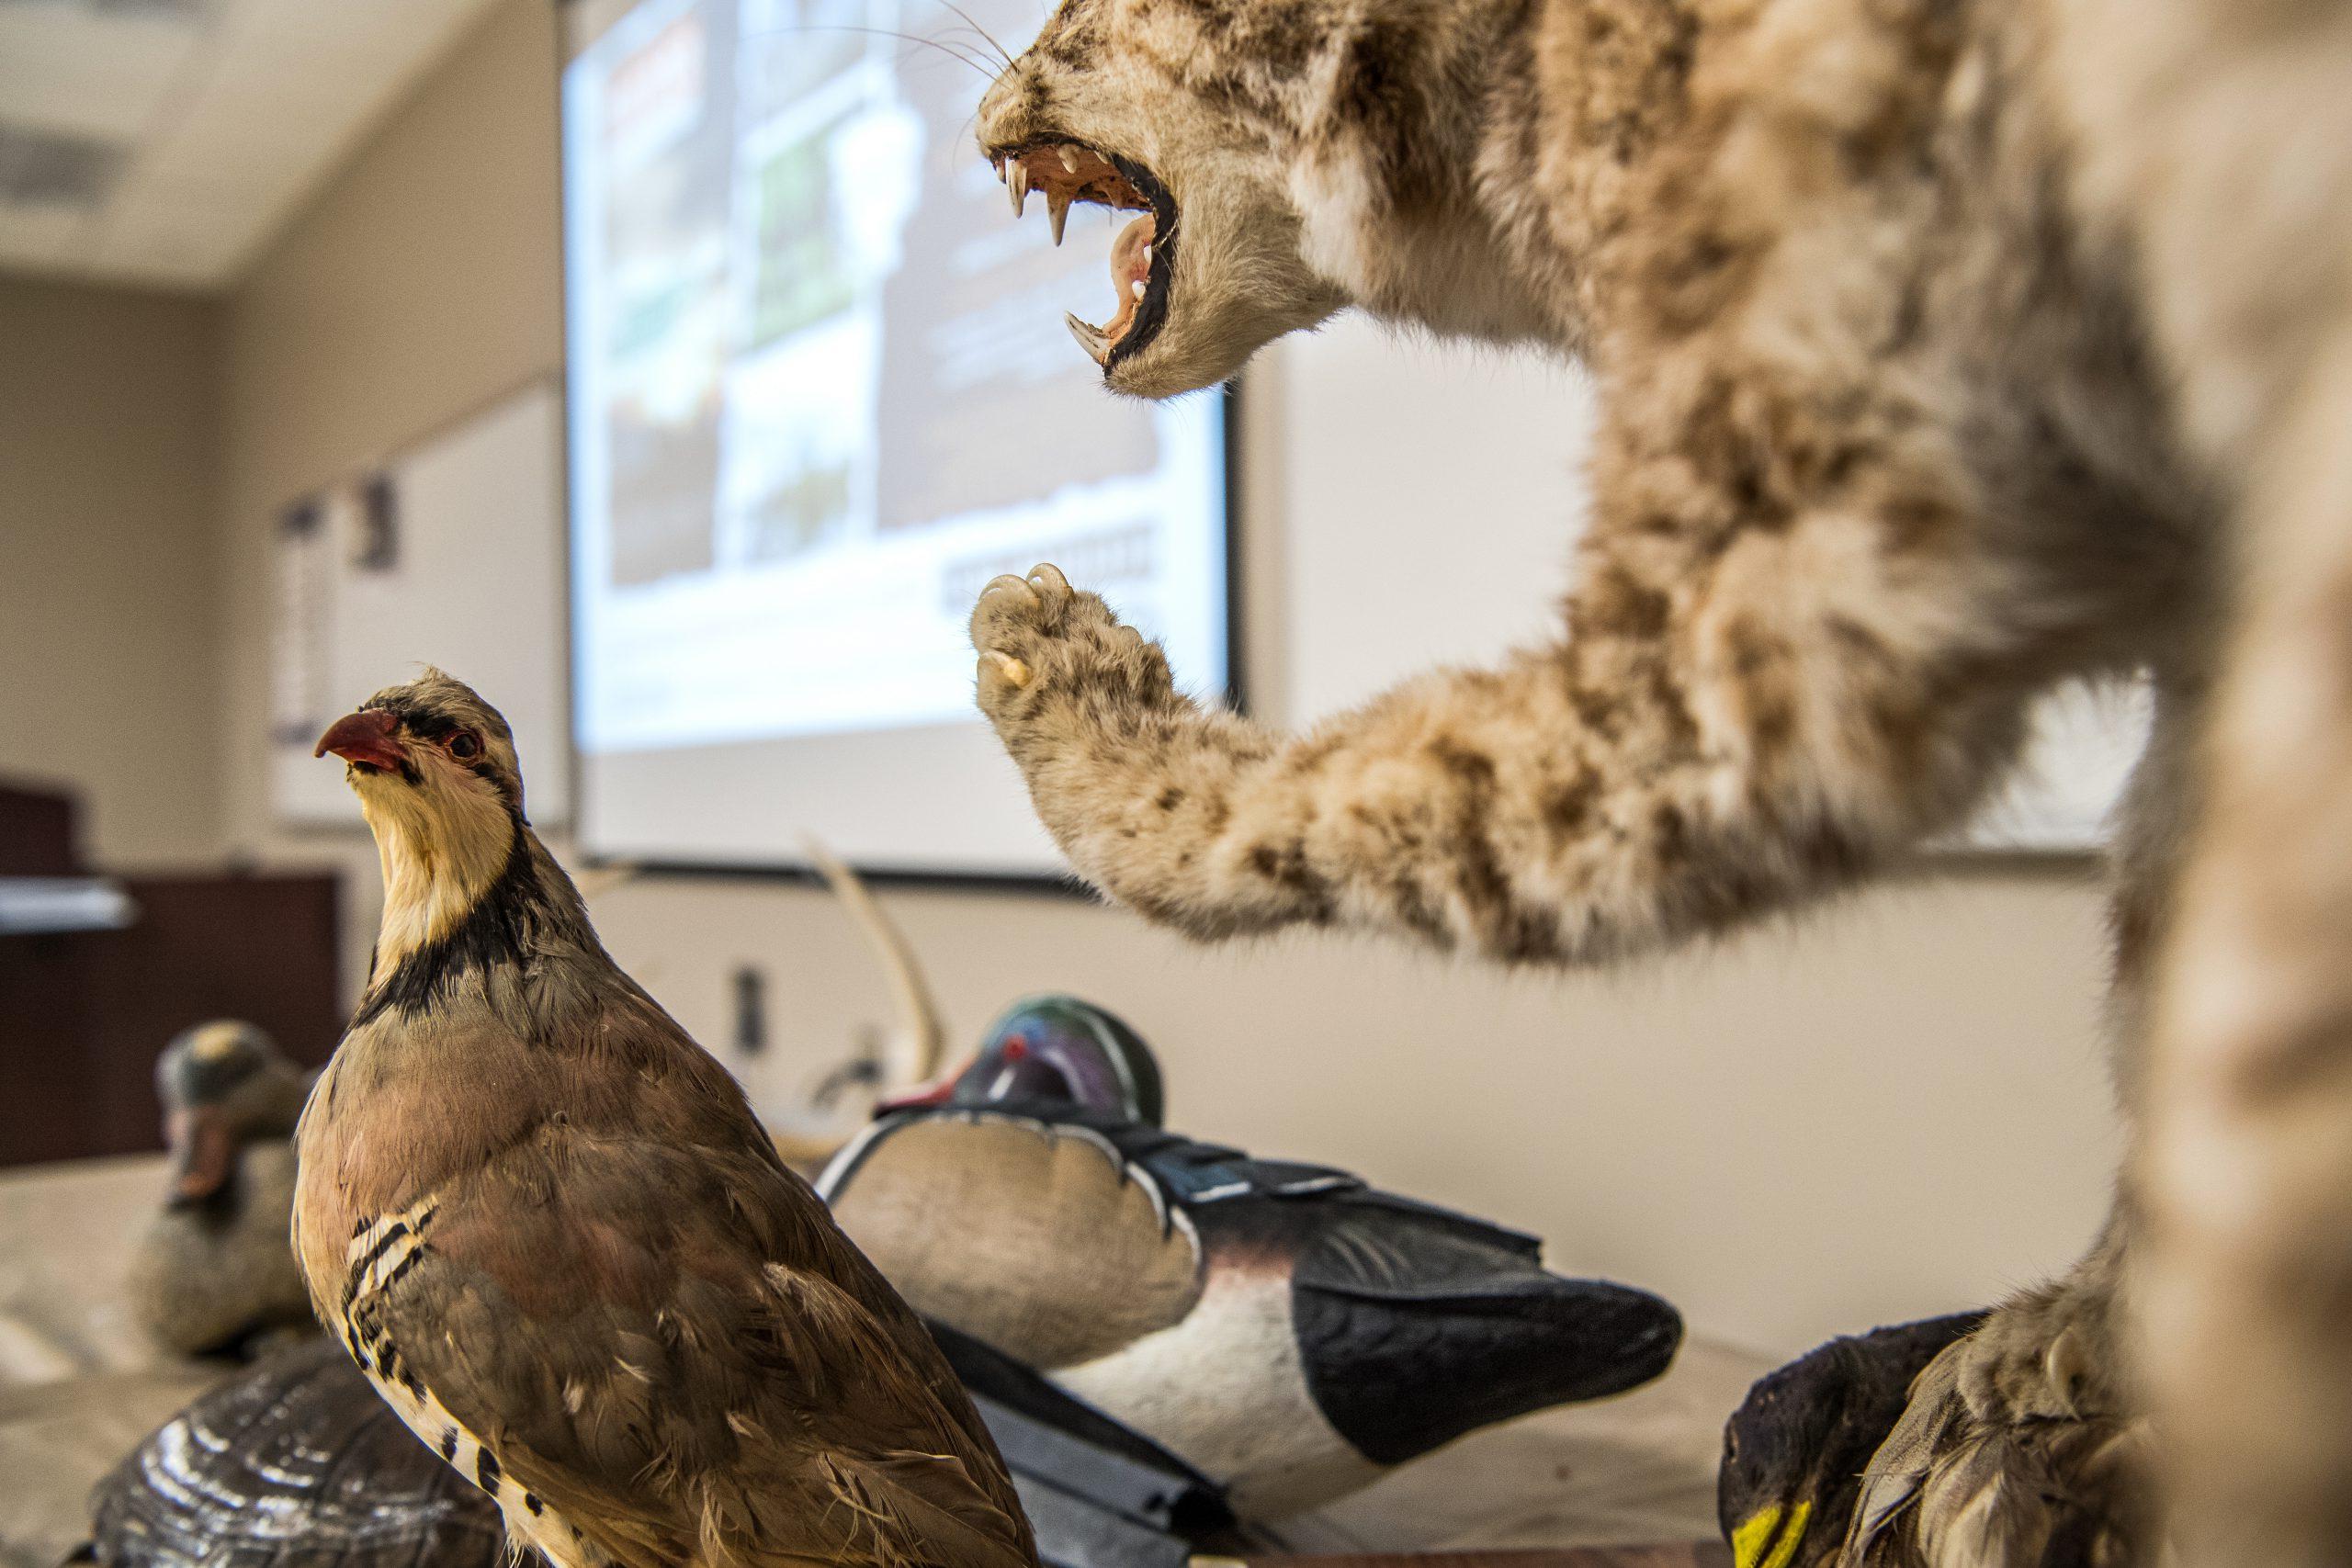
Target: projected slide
{"x":821,"y":392}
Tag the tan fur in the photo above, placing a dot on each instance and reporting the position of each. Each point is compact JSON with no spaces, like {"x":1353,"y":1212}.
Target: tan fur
{"x":1878,"y":294}
{"x":2224,"y":129}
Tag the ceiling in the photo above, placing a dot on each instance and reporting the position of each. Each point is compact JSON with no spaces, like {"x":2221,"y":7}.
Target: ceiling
{"x":164,"y":141}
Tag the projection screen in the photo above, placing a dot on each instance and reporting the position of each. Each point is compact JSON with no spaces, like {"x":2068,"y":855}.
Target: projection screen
{"x":819,"y":392}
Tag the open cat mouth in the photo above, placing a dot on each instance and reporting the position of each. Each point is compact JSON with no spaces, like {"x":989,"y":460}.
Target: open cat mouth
{"x":1142,"y":257}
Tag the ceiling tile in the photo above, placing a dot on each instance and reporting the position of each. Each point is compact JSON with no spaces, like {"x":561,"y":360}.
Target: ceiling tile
{"x":99,"y":74}
{"x":249,"y":132}
{"x":368,"y":51}
{"x":231,"y":131}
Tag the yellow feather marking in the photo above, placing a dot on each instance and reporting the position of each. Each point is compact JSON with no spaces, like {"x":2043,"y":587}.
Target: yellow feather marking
{"x":1750,"y":1539}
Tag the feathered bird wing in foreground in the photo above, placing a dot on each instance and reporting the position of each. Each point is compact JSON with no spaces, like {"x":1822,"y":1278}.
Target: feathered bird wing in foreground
{"x":1947,"y":1490}
{"x":661,"y":1347}
{"x":1795,"y":1449}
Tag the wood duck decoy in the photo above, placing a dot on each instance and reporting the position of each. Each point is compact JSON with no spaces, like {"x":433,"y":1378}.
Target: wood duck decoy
{"x":1284,"y":1330}
{"x":212,"y":1270}
{"x":293,"y":1463}
{"x":1795,"y":1450}
{"x":546,"y":1226}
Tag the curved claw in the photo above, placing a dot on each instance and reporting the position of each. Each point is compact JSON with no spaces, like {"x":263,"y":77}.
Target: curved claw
{"x":1047,"y":579}
{"x":1016,"y":671}
{"x":1005,"y":582}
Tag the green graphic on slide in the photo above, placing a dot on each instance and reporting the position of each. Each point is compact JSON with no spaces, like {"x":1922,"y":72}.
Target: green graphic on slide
{"x":801,"y":280}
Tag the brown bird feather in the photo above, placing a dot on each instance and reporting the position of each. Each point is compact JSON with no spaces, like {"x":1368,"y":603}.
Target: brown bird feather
{"x":547,"y":1226}
{"x":1949,"y":1489}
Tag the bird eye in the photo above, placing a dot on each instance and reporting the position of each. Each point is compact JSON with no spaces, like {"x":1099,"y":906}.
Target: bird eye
{"x":465,"y":745}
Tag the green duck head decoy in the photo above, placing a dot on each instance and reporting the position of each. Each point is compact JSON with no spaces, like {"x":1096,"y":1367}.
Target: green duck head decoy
{"x":1793,"y":1453}
{"x":1060,"y":1048}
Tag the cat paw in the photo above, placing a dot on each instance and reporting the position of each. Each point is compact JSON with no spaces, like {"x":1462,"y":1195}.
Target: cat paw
{"x":2046,"y":1356}
{"x":1049,"y":649}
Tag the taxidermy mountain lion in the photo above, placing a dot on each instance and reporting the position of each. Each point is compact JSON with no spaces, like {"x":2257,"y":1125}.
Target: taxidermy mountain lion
{"x":1947,"y":348}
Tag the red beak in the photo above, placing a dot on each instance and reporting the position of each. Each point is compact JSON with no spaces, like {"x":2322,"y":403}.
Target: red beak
{"x":365,"y":738}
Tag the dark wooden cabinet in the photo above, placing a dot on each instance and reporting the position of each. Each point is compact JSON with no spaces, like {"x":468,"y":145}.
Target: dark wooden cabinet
{"x":37,"y":833}
{"x":83,"y":1013}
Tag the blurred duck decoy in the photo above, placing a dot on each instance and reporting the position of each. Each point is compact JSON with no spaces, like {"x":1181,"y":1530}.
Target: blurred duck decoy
{"x":1284,"y":1330}
{"x":213,"y":1271}
{"x":1795,"y":1450}
{"x":293,"y":1463}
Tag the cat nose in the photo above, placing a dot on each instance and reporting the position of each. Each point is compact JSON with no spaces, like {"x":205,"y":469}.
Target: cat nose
{"x":1003,"y":106}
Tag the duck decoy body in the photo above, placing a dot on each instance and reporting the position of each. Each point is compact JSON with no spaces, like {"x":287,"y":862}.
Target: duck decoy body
{"x":1286,"y":1329}
{"x":1795,"y":1449}
{"x":293,"y":1463}
{"x":212,"y":1270}
{"x":547,"y":1228}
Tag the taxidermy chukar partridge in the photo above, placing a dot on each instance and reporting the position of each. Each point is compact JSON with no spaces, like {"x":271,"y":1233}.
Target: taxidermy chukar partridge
{"x":546,"y":1226}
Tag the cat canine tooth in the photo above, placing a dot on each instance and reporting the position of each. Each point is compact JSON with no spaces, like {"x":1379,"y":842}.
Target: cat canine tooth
{"x":1069,"y":159}
{"x":1057,"y":213}
{"x":1004,"y":169}
{"x":1136,"y":289}
{"x":1090,"y":338}
{"x":1019,"y":187}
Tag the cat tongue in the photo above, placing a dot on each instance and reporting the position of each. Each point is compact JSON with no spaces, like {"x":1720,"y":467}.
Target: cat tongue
{"x":1130,"y":266}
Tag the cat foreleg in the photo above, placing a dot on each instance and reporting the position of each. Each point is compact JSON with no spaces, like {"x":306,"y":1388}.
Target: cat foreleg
{"x":1698,"y":751}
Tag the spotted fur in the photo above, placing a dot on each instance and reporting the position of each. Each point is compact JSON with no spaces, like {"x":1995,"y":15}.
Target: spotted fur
{"x":1928,"y":382}
{"x":2223,"y":127}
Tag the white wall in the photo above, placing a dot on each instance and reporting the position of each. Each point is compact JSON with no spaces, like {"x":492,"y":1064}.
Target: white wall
{"x":109,"y":630}
{"x":1427,"y":498}
{"x":1893,"y":1108}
